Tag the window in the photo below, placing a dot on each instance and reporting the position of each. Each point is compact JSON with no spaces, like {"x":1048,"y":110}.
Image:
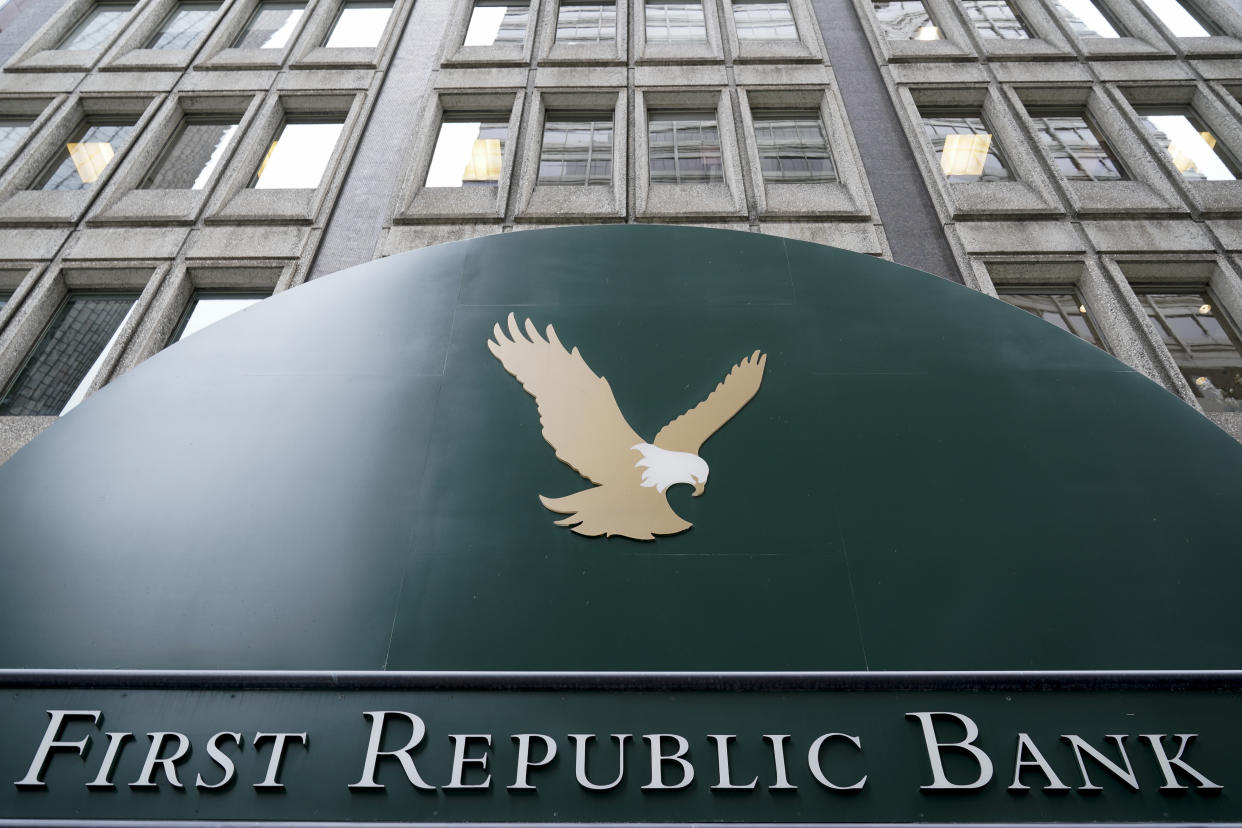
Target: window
{"x":67,"y":358}
{"x":764,"y":21}
{"x":964,"y":145}
{"x":995,"y":20}
{"x":576,"y":151}
{"x":1179,"y":20}
{"x":183,"y":27}
{"x":96,"y":26}
{"x":1204,"y":344}
{"x":86,"y":155}
{"x":1076,"y":148}
{"x":1192,"y":148}
{"x":468,"y":152}
{"x":12,"y":131}
{"x":298,"y":155}
{"x":792,"y":147}
{"x":684,"y":148}
{"x":586,"y":23}
{"x":1058,"y":306}
{"x":359,"y":25}
{"x":675,"y":23}
{"x":1086,"y":19}
{"x":271,"y":26}
{"x":497,"y":23}
{"x":192,"y":155}
{"x":208,"y":307}
{"x":906,"y":20}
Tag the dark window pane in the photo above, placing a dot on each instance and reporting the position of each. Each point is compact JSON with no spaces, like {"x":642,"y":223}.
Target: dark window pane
{"x":192,"y":156}
{"x":1064,"y":310}
{"x":182,"y":28}
{"x":675,"y":22}
{"x":1204,"y":344}
{"x":86,"y":155}
{"x":793,"y":148}
{"x":764,"y":21}
{"x":1077,"y":150}
{"x":965,"y":148}
{"x":906,"y":20}
{"x":96,"y":26}
{"x":684,"y":149}
{"x":586,"y":23}
{"x":12,"y":131}
{"x":576,"y":152}
{"x":995,"y":20}
{"x":270,"y":26}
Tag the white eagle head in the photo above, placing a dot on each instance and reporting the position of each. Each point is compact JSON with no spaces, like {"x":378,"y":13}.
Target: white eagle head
{"x":662,"y":468}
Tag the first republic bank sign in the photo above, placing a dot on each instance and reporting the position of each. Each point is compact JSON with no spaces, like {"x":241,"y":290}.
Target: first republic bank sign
{"x":628,"y":524}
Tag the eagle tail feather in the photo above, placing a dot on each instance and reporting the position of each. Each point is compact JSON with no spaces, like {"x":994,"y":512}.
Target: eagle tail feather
{"x":636,"y":513}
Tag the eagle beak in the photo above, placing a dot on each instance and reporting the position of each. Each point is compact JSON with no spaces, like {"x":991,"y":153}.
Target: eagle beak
{"x":698,"y":488}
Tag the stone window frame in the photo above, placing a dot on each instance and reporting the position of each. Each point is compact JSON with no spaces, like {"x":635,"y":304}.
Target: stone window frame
{"x":1226,"y":43}
{"x":64,"y":208}
{"x":1029,"y":192}
{"x":39,"y":109}
{"x":552,"y":203}
{"x":235,"y":200}
{"x":129,"y":53}
{"x":1211,"y":198}
{"x":17,"y":279}
{"x":312,"y":54}
{"x":1141,"y":38}
{"x":687,"y":202}
{"x":124,"y":202}
{"x":218,"y":52}
{"x":665,"y":53}
{"x":456,"y":53}
{"x":847,"y":197}
{"x":955,"y":44}
{"x":419,"y":203}
{"x":1146,"y":191}
{"x":805,"y":48}
{"x":40,"y":54}
{"x":1046,"y":40}
{"x":553,"y":53}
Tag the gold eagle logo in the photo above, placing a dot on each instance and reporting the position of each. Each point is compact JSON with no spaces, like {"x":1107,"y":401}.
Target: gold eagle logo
{"x":584,"y":425}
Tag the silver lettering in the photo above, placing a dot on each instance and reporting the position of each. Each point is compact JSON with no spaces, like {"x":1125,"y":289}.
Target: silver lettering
{"x":524,"y":763}
{"x":419,"y":730}
{"x":812,"y":758}
{"x":461,"y":743}
{"x":146,"y":779}
{"x":221,"y":759}
{"x":1125,"y":775}
{"x":103,"y":779}
{"x":51,"y":741}
{"x":1027,"y":747}
{"x":722,"y":765}
{"x":581,"y":740}
{"x":939,"y":781}
{"x":778,"y":760}
{"x":1166,"y":764}
{"x":269,"y":782}
{"x":658,"y":758}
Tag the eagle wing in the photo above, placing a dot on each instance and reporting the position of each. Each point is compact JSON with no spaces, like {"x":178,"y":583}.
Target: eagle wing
{"x":689,"y":431}
{"x":578,"y":412}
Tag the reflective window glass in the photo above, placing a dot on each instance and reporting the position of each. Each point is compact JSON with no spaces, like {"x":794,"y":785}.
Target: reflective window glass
{"x":184,"y":26}
{"x":1086,"y":19}
{"x":359,"y":25}
{"x":965,"y":147}
{"x":684,"y":148}
{"x":1192,"y":148}
{"x":1076,"y":148}
{"x":764,"y":21}
{"x":85,"y":156}
{"x":69,"y":355}
{"x":792,"y":147}
{"x":209,"y":307}
{"x":192,"y":155}
{"x":1065,"y":310}
{"x":586,"y":23}
{"x":995,"y":20}
{"x":576,"y":151}
{"x":493,"y":23}
{"x":675,"y":22}
{"x":271,"y":26}
{"x":1204,"y":344}
{"x":906,"y":20}
{"x":298,"y":155}
{"x":12,"y":131}
{"x":96,"y":26}
{"x":1179,"y":19}
{"x":468,"y":152}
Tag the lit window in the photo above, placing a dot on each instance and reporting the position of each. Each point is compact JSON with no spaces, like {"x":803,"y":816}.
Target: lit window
{"x":1076,"y":148}
{"x":764,"y":21}
{"x":359,"y":25}
{"x":183,"y":26}
{"x":12,"y":131}
{"x":1179,"y":19}
{"x":906,"y":20}
{"x":965,"y":148}
{"x":995,"y":20}
{"x":192,"y":155}
{"x":675,"y":23}
{"x":67,"y":358}
{"x":497,"y":23}
{"x":1204,"y":344}
{"x":271,"y":26}
{"x":586,"y":23}
{"x":792,"y":147}
{"x":207,"y":308}
{"x":96,"y":26}
{"x":1065,"y":310}
{"x":1086,"y":19}
{"x":684,"y":148}
{"x":1192,"y":148}
{"x":298,"y":155}
{"x":576,"y":152}
{"x":86,"y":155}
{"x":468,"y":153}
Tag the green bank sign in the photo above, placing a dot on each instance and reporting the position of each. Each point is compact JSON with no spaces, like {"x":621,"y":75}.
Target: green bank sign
{"x":733,"y":529}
